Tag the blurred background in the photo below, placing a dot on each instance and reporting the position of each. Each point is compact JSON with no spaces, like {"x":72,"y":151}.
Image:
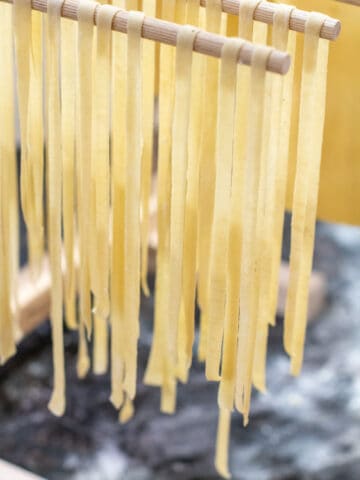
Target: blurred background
{"x":303,"y":428}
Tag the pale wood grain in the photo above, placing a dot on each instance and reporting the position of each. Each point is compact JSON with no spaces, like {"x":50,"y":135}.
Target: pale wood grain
{"x":11,"y":472}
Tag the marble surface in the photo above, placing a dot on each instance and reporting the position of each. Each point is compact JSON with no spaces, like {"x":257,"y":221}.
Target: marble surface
{"x":304,"y":428}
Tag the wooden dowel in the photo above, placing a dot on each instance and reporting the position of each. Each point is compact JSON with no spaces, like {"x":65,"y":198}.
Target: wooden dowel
{"x":166,"y":32}
{"x":352,"y":2}
{"x":265,"y":13}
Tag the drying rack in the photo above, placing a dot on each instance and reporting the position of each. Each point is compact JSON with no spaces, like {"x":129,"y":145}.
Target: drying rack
{"x":34,"y":297}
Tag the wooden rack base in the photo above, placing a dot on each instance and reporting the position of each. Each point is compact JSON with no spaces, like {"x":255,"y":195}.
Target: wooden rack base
{"x":34,"y":297}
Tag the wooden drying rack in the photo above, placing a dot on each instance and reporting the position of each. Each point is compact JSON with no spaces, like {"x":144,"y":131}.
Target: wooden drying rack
{"x":34,"y":297}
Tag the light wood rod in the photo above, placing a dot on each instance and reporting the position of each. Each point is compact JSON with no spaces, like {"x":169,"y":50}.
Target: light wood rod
{"x":166,"y":32}
{"x":265,"y":13}
{"x":351,"y":2}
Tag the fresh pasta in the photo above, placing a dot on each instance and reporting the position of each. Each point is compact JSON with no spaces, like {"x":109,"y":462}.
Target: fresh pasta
{"x":222,"y":163}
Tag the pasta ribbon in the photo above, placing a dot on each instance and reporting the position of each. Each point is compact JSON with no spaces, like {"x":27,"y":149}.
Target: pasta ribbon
{"x":179,"y":164}
{"x":54,"y":166}
{"x":68,"y":97}
{"x":228,"y":374}
{"x":85,"y":74}
{"x":272,"y":204}
{"x":220,"y":227}
{"x":148,"y":63}
{"x":118,"y":179}
{"x":220,"y":262}
{"x":187,"y":309}
{"x":9,"y":242}
{"x":101,"y":178}
{"x":250,"y":240}
{"x":132,"y":199}
{"x":154,"y":370}
{"x":311,"y":125}
{"x":207,"y":173}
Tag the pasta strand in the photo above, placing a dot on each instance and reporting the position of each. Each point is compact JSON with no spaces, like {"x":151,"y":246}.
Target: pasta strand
{"x":101,"y":164}
{"x":311,"y":124}
{"x":187,"y":309}
{"x":154,"y":371}
{"x":248,"y":320}
{"x":54,"y":161}
{"x":118,"y":178}
{"x":8,"y":193}
{"x":271,"y":150}
{"x":220,"y":228}
{"x":148,"y":63}
{"x":179,"y":164}
{"x":85,"y":73}
{"x":68,"y":80}
{"x":207,"y":172}
{"x":132,"y":199}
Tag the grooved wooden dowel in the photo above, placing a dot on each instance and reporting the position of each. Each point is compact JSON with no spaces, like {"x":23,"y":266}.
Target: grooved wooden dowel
{"x":265,"y":13}
{"x":166,"y":32}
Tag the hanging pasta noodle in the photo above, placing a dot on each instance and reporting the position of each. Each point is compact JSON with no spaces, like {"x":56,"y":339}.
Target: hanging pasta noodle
{"x":36,"y":140}
{"x":187,"y":309}
{"x":220,"y":229}
{"x":275,"y":169}
{"x":207,"y":174}
{"x":101,"y":164}
{"x":311,"y":124}
{"x":117,"y":277}
{"x":8,"y":193}
{"x":250,"y":243}
{"x":154,"y":370}
{"x":179,"y":163}
{"x":68,"y":80}
{"x":54,"y":177}
{"x":21,"y":17}
{"x":27,"y":36}
{"x":148,"y":62}
{"x":282,"y":166}
{"x":84,"y":86}
{"x":227,"y":382}
{"x":132,"y":199}
{"x":85,"y":73}
{"x":231,"y":315}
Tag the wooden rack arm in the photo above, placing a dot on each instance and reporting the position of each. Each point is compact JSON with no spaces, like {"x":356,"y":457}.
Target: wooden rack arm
{"x":265,"y":13}
{"x":166,"y":32}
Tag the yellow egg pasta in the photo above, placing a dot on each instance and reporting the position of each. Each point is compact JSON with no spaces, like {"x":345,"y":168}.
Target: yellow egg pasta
{"x":274,"y":163}
{"x":84,"y":80}
{"x":8,"y":194}
{"x":207,"y":173}
{"x":221,"y":178}
{"x":68,"y":122}
{"x":250,"y":243}
{"x":220,"y":324}
{"x":311,"y":125}
{"x":118,"y":178}
{"x":133,"y":155}
{"x":187,"y":309}
{"x":154,"y":370}
{"x":179,"y":165}
{"x":220,"y":227}
{"x":101,"y":164}
{"x":148,"y":65}
{"x":54,"y":182}
{"x":36,"y":139}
